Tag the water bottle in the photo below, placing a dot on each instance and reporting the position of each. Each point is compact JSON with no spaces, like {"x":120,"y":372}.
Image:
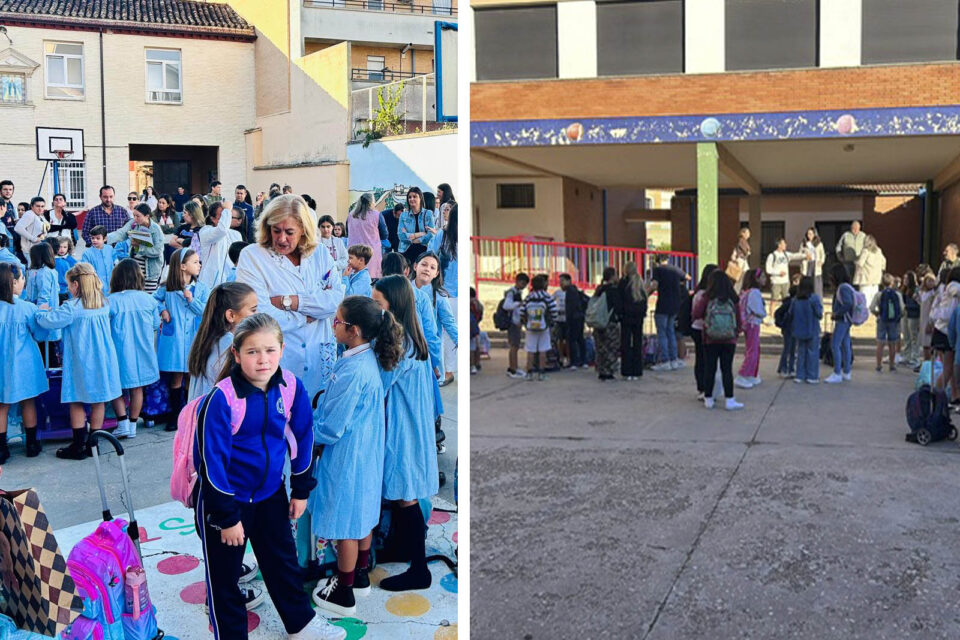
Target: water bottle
{"x":135,"y":591}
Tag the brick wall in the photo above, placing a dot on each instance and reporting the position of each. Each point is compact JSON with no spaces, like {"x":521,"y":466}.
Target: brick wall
{"x":752,"y":92}
{"x":583,"y":213}
{"x":391,"y":56}
{"x":897,"y":224}
{"x":949,"y":218}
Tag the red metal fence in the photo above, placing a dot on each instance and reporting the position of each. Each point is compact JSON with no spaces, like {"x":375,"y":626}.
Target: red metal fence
{"x":501,"y":259}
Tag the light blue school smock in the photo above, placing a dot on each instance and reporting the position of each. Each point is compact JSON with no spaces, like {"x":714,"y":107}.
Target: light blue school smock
{"x":43,"y":288}
{"x":102,"y":260}
{"x":134,"y":321}
{"x":450,"y":273}
{"x":176,"y":337}
{"x":7,"y":256}
{"x":21,"y":369}
{"x":64,"y":264}
{"x":358,"y":284}
{"x":350,"y":424}
{"x":91,"y":372}
{"x":443,"y":314}
{"x":410,"y":456}
{"x":201,"y":385}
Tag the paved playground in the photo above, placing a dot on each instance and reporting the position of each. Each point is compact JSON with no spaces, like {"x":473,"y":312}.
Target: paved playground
{"x":625,"y":509}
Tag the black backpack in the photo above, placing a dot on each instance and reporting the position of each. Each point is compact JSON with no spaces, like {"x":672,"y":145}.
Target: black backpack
{"x":782,"y":315}
{"x":503,"y":319}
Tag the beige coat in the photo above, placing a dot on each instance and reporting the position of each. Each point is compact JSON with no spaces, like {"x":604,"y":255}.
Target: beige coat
{"x":870,"y":267}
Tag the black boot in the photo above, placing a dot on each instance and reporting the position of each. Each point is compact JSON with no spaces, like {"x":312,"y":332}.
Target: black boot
{"x":393,"y":550}
{"x":413,"y":537}
{"x":4,"y":451}
{"x":176,"y":406}
{"x":77,"y":449}
{"x":33,"y":445}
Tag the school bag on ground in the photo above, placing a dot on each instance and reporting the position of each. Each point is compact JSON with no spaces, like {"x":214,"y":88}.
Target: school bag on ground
{"x":184,"y":475}
{"x":537,"y":310}
{"x":590,"y":351}
{"x":651,"y":350}
{"x":156,"y":402}
{"x":502,"y":318}
{"x":720,"y":320}
{"x":928,"y":416}
{"x":890,"y":310}
{"x":598,"y":313}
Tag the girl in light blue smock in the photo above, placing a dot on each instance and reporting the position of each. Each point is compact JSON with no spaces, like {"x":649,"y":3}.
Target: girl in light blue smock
{"x":43,"y":286}
{"x":410,"y":455}
{"x":349,"y":423}
{"x":182,"y":300}
{"x":429,"y":279}
{"x":91,"y":373}
{"x":22,"y":376}
{"x":444,"y":244}
{"x":134,"y":321}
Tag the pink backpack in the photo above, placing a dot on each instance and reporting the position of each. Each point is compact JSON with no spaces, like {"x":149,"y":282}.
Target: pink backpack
{"x":184,"y":475}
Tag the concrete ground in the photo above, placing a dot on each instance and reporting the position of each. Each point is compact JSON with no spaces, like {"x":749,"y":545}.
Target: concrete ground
{"x":69,"y":494}
{"x":626,"y":509}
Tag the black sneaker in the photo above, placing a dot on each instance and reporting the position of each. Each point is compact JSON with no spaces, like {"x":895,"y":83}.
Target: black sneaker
{"x":334,"y":597}
{"x":361,"y":582}
{"x":955,"y":402}
{"x":72,"y":453}
{"x":252,"y":597}
{"x":248,"y":572}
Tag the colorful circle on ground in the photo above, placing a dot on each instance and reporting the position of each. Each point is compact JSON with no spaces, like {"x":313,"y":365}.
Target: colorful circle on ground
{"x":710,"y":127}
{"x":176,"y":565}
{"x":846,"y":124}
{"x":456,"y":537}
{"x":195,"y":593}
{"x":574,"y":131}
{"x":446,"y":633}
{"x":449,"y":582}
{"x":356,"y":629}
{"x":408,"y":605}
{"x":377,"y":575}
{"x":439,"y":517}
{"x":253,"y":621}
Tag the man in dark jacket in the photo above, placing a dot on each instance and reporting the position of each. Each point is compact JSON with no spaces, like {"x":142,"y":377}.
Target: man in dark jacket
{"x":575,"y":305}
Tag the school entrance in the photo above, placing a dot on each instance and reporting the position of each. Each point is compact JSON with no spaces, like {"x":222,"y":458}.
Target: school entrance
{"x":166,"y":167}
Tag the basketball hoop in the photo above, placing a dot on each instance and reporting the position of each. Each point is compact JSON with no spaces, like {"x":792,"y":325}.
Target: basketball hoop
{"x":63,"y":154}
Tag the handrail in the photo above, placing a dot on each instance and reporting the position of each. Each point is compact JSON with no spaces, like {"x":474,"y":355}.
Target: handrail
{"x":381,"y":5}
{"x":382,"y":75}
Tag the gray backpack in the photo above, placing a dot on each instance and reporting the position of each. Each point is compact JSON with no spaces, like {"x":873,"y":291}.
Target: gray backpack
{"x":598,"y":313}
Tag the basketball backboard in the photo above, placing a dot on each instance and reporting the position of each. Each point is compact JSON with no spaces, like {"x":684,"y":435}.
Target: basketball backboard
{"x":445,"y":50}
{"x":52,"y":139}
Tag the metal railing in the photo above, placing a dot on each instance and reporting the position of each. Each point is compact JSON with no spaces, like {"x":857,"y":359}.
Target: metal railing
{"x":501,"y":259}
{"x":439,"y":8}
{"x":417,"y":101}
{"x":381,"y":75}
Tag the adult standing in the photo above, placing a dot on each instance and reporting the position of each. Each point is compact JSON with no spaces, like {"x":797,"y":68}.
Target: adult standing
{"x":849,"y":248}
{"x":106,"y":214}
{"x":241,"y":199}
{"x":180,"y":199}
{"x":62,"y":222}
{"x":214,"y":239}
{"x":741,"y":256}
{"x":364,"y":223}
{"x":667,"y":280}
{"x":412,"y":228}
{"x":32,"y":227}
{"x":8,"y":211}
{"x":633,"y":311}
{"x":815,"y":256}
{"x":950,"y":260}
{"x":444,"y":244}
{"x":869,"y":268}
{"x":149,"y":198}
{"x":392,"y":220}
{"x":608,"y":340}
{"x":148,"y":255}
{"x":297,"y":285}
{"x":166,"y":215}
{"x":214,"y":195}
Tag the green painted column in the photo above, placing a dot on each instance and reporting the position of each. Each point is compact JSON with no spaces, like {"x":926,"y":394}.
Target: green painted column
{"x":707,"y":203}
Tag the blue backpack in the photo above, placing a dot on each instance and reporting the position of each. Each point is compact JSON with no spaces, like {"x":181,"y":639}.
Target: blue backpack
{"x":928,"y":416}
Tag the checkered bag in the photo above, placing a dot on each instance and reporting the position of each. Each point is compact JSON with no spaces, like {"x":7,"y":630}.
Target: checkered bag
{"x":47,"y":600}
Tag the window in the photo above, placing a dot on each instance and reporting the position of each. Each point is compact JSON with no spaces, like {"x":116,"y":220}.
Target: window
{"x":73,"y":183}
{"x":516,"y":43}
{"x":915,"y":31}
{"x":442,"y":7}
{"x":163,"y":76}
{"x":515,"y":196}
{"x":771,"y":34}
{"x":375,"y":65}
{"x":635,"y":38}
{"x":13,"y":88}
{"x":63,"y":62}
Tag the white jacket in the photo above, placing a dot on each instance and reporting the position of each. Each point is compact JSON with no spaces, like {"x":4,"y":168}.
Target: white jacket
{"x":870,"y":268}
{"x":778,"y":266}
{"x":214,"y":245}
{"x":320,"y":289}
{"x":819,"y":256}
{"x":30,"y":227}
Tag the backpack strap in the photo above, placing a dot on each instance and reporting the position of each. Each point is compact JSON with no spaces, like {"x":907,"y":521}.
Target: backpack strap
{"x":238,"y":406}
{"x":288,"y":391}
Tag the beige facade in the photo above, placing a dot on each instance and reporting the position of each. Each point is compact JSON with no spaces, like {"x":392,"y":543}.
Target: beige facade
{"x":217,"y":106}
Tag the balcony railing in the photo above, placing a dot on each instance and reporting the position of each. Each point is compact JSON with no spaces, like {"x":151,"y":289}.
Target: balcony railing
{"x":439,"y":8}
{"x":384,"y":75}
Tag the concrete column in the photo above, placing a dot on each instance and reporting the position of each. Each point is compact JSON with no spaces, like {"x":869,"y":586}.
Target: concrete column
{"x":707,"y":203}
{"x":467,"y":61}
{"x":841,"y":25}
{"x":577,"y":39}
{"x":756,"y":229}
{"x":704,"y":44}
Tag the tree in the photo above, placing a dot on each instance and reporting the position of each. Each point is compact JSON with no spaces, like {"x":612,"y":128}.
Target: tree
{"x":388,"y":119}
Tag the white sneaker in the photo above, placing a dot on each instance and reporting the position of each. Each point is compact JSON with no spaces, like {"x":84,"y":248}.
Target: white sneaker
{"x":733,"y":405}
{"x":798,"y":380}
{"x":663,"y":366}
{"x":899,"y":359}
{"x":814,"y":381}
{"x":847,"y":376}
{"x":319,"y":629}
{"x":678,"y":364}
{"x":474,"y":370}
{"x":756,"y":381}
{"x":572,"y":367}
{"x":834,"y":378}
{"x":743,"y":383}
{"x":585,"y":366}
{"x":132,"y":429}
{"x":708,"y":403}
{"x":122,"y":429}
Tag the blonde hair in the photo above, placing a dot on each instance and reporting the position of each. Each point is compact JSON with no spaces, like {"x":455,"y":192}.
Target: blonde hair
{"x":90,"y":288}
{"x":634,"y":281}
{"x":870,"y":243}
{"x":281,"y":208}
{"x":887,"y":280}
{"x":196,"y":213}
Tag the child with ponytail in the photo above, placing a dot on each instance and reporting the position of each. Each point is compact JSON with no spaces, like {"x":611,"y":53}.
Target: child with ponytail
{"x":22,"y":377}
{"x":752,"y":313}
{"x":350,"y":426}
{"x":43,"y":288}
{"x":91,"y":372}
{"x":229,"y":303}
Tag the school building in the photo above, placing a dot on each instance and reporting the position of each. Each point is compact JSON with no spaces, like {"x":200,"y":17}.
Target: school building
{"x":773,"y":114}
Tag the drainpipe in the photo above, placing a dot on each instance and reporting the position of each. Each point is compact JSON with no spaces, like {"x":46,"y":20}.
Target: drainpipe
{"x":103,"y":114}
{"x":604,"y":217}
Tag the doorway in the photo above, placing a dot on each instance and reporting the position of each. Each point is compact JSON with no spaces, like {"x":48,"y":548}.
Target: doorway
{"x":830,"y":233}
{"x":170,"y":174}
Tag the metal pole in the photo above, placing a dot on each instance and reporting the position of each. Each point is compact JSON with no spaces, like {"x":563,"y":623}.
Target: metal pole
{"x":423,"y":114}
{"x":103,"y":117}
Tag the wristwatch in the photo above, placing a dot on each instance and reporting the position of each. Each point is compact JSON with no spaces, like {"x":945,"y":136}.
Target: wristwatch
{"x":287,"y":302}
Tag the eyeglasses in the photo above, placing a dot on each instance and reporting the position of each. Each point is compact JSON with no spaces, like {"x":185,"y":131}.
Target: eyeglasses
{"x":338,"y":321}
{"x":131,"y":199}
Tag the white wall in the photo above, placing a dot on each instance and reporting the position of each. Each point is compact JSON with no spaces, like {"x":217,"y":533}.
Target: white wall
{"x":545,"y":220}
{"x":369,"y":26}
{"x":841,"y":23}
{"x":413,"y":161}
{"x":577,"y":39}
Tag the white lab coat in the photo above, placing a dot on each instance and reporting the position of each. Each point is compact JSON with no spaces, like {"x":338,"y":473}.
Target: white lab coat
{"x":309,"y":348}
{"x":214,"y":247}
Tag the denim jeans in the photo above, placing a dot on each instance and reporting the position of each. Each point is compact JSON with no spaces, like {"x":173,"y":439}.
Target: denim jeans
{"x":841,"y":345}
{"x":788,"y":355}
{"x":808,"y":359}
{"x":666,"y":336}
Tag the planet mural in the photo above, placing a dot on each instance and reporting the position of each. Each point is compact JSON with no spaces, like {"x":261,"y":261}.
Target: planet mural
{"x":574,"y":131}
{"x":846,"y":124}
{"x":710,"y":127}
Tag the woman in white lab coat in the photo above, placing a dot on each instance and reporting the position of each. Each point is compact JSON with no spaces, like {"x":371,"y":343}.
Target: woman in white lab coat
{"x":296,"y":284}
